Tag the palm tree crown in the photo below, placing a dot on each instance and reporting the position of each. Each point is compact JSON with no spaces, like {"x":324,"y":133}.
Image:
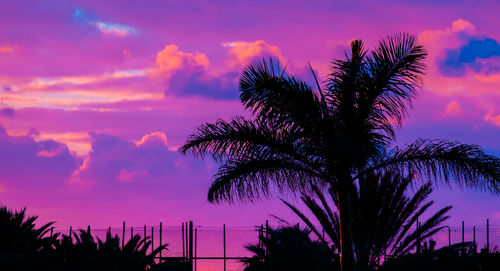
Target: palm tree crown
{"x":300,"y":137}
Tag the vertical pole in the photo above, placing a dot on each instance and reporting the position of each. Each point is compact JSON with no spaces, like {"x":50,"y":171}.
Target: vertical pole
{"x":449,"y":236}
{"x":70,"y":232}
{"x":145,"y":234}
{"x":474,"y":234}
{"x":109,"y":230}
{"x":261,"y":236}
{"x":88,"y":229}
{"x":463,"y":232}
{"x":474,"y":238}
{"x":488,"y":235}
{"x":131,"y":232}
{"x":195,"y":247}
{"x":152,"y":239}
{"x":51,"y":232}
{"x":161,"y":228}
{"x":267,"y":235}
{"x":183,"y":249}
{"x":418,"y":237}
{"x":191,"y":241}
{"x":123,"y":235}
{"x":224,"y":240}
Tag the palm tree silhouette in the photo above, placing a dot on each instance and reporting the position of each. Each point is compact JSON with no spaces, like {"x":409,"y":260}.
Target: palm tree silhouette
{"x":384,"y":217}
{"x":22,"y":243}
{"x":84,"y":252}
{"x":290,"y":248}
{"x":330,"y":138}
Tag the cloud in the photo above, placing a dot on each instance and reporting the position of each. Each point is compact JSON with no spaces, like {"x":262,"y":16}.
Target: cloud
{"x":454,"y":109}
{"x":7,"y":112}
{"x":482,"y":55}
{"x":114,"y":28}
{"x":241,"y":53}
{"x":492,"y":119}
{"x":6,"y":49}
{"x":191,"y":74}
{"x":40,"y":164}
{"x":113,"y":160}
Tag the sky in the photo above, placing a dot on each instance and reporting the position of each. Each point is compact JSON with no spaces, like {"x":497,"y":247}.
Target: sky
{"x":97,"y":96}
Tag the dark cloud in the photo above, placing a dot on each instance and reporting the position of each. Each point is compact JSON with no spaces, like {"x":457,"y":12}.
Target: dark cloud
{"x":40,"y":164}
{"x":198,"y":83}
{"x":470,"y":55}
{"x":7,"y":112}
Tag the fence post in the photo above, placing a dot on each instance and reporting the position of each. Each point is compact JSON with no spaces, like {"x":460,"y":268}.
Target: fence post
{"x":418,"y":237}
{"x":191,"y":241}
{"x":474,"y":238}
{"x":152,"y":239}
{"x":463,"y":234}
{"x":161,"y":228}
{"x":449,"y":236}
{"x":183,"y":249}
{"x":195,"y":247}
{"x":224,"y":240}
{"x":145,"y":233}
{"x":123,"y":235}
{"x":474,"y":234}
{"x":131,"y":232}
{"x":70,"y":232}
{"x":267,"y":236}
{"x":488,"y":235}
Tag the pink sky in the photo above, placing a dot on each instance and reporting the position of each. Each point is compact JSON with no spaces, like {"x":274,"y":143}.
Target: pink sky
{"x":96,"y":96}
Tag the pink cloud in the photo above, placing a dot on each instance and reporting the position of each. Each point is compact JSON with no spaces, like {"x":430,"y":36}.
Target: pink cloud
{"x":454,"y":109}
{"x":493,"y":119}
{"x":241,"y":53}
{"x":42,"y":164}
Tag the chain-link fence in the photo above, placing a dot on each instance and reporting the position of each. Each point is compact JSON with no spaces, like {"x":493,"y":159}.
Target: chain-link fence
{"x":223,"y":248}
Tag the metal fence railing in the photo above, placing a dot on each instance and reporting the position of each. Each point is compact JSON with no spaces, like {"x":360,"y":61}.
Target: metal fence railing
{"x":222,"y":248}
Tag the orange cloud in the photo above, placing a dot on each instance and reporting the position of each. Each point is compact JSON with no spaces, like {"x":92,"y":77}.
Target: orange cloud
{"x":170,"y":59}
{"x":242,"y":52}
{"x":152,"y":138}
{"x":7,"y":49}
{"x":492,"y":119}
{"x":454,"y":109}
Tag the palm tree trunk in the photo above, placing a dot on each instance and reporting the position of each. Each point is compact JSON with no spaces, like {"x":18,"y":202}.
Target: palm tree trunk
{"x":346,"y":245}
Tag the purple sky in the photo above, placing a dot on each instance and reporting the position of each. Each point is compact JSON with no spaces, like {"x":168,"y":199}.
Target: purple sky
{"x":96,"y":96}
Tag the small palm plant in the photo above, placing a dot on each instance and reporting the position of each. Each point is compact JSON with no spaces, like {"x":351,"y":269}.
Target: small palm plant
{"x":21,"y":241}
{"x":290,"y":249}
{"x":85,"y":253}
{"x":384,"y":217}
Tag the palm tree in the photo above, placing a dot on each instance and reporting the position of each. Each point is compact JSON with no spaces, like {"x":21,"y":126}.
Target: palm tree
{"x":289,"y":249}
{"x":22,"y":243}
{"x":82,"y":252}
{"x":384,"y":217}
{"x":331,"y":137}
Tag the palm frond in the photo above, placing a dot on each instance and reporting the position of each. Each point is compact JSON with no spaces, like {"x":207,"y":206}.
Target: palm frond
{"x":439,"y":160}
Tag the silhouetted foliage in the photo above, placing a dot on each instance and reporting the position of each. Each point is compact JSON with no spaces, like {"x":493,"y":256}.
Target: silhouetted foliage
{"x":290,"y":249}
{"x":82,"y":252}
{"x":333,"y":135}
{"x":458,"y":257}
{"x":23,"y":245}
{"x":384,"y":217}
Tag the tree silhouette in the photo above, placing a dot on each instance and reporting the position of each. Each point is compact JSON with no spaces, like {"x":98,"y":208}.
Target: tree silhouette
{"x":82,"y":252}
{"x":384,"y":217}
{"x":22,"y":243}
{"x":331,"y":137}
{"x":290,"y":249}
